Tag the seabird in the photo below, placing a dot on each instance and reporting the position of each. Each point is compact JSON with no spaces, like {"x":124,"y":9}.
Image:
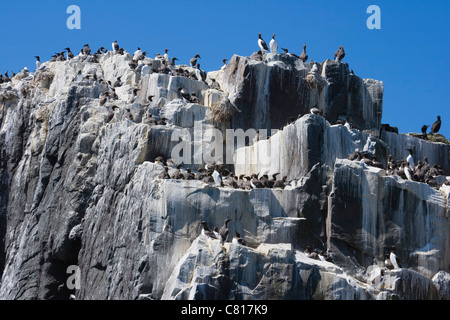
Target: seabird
{"x":424,"y":131}
{"x":347,"y":123}
{"x":280,"y":183}
{"x":217,"y":177}
{"x":286,"y":51}
{"x":388,"y":263}
{"x":137,"y":54}
{"x":104,"y":98}
{"x":118,"y":82}
{"x":255,"y":183}
{"x":206,"y":231}
{"x":164,"y":174}
{"x":69,"y":53}
{"x":166,"y":55}
{"x":184,"y":94}
{"x":273,"y":44}
{"x":262,"y":44}
{"x":311,"y":254}
{"x":115,"y":46}
{"x":86,"y":50}
{"x":436,"y":126}
{"x":159,"y":160}
{"x":194,"y":60}
{"x":238,"y":240}
{"x":339,"y":54}
{"x":224,"y":64}
{"x":214,"y":84}
{"x":38,"y":62}
{"x":394,"y":259}
{"x":410,"y":159}
{"x":223,"y":232}
{"x":304,"y":56}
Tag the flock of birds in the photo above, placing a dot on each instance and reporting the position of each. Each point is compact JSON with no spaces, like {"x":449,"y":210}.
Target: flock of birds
{"x":222,"y":233}
{"x":405,"y":168}
{"x":219,"y":176}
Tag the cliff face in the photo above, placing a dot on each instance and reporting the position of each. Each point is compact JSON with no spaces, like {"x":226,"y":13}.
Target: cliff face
{"x":80,"y":187}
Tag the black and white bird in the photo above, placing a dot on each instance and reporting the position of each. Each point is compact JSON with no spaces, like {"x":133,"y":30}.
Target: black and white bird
{"x":262,"y":44}
{"x":436,"y":126}
{"x":217,"y":177}
{"x":137,"y":54}
{"x":224,"y":64}
{"x":38,"y":62}
{"x":86,"y":50}
{"x":115,"y":46}
{"x":238,"y":240}
{"x":394,"y":259}
{"x":166,"y":55}
{"x":223,"y":232}
{"x":273,"y":44}
{"x":69,"y":54}
{"x":410,"y":159}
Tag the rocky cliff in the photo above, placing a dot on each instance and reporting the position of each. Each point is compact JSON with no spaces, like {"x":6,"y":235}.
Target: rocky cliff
{"x":81,"y":185}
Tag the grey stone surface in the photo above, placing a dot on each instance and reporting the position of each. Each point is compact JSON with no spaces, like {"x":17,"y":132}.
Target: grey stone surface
{"x":79,"y":187}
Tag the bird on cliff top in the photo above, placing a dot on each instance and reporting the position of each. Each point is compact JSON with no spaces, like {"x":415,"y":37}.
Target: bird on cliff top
{"x":166,"y":55}
{"x":339,"y":54}
{"x":193,"y":61}
{"x":224,"y":64}
{"x":223,"y":232}
{"x":273,"y":44}
{"x":38,"y":62}
{"x":303,"y":55}
{"x":69,"y":53}
{"x":424,"y":131}
{"x":137,"y":54}
{"x":315,"y":111}
{"x":436,"y":126}
{"x":115,"y":46}
{"x":86,"y":50}
{"x":286,"y":51}
{"x":262,"y":44}
{"x":206,"y":231}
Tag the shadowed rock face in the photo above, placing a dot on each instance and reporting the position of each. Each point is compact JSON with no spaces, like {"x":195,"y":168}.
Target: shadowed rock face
{"x":272,"y":91}
{"x":79,"y":187}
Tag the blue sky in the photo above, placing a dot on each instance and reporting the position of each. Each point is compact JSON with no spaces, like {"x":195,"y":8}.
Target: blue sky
{"x":411,"y":52}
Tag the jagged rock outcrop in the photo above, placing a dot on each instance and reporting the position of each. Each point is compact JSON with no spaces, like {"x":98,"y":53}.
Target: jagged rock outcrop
{"x":80,"y":186}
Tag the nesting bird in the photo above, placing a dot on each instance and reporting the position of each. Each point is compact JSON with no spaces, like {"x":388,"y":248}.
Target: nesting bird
{"x":193,"y":61}
{"x":436,"y":126}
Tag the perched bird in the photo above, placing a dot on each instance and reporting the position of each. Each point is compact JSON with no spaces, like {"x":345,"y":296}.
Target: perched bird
{"x":238,"y":240}
{"x":410,"y":159}
{"x":280,"y":183}
{"x":224,"y":64}
{"x":273,"y":44}
{"x":118,"y":82}
{"x":38,"y":62}
{"x":166,"y":55}
{"x":424,"y":131}
{"x":223,"y":232}
{"x":206,"y":231}
{"x":86,"y":50}
{"x":164,"y":174}
{"x":217,"y":177}
{"x":388,"y":263}
{"x":69,"y":53}
{"x":115,"y":46}
{"x":193,"y":61}
{"x":255,"y":183}
{"x":137,"y":54}
{"x":262,"y":44}
{"x":436,"y":126}
{"x":339,"y":54}
{"x":394,"y":259}
{"x":184,"y":94}
{"x":214,"y":84}
{"x":303,"y":55}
